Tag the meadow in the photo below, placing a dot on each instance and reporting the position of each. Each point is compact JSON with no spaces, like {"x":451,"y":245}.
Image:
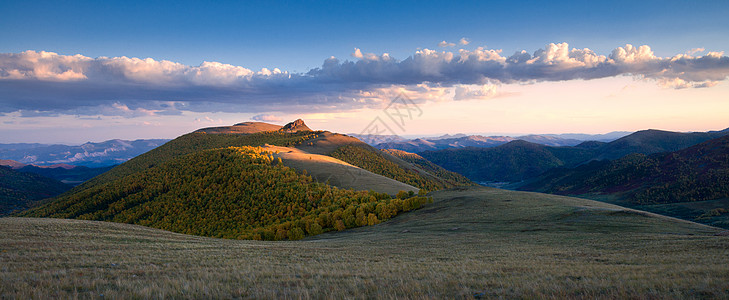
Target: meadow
{"x":471,"y":242}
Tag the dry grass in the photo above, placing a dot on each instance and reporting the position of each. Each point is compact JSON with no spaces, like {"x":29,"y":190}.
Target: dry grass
{"x":325,"y":169}
{"x":470,"y":243}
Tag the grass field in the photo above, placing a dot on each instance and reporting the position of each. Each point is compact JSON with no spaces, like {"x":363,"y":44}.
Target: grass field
{"x":471,"y":243}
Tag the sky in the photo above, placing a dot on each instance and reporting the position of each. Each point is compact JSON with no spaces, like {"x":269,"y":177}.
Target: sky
{"x":78,"y":71}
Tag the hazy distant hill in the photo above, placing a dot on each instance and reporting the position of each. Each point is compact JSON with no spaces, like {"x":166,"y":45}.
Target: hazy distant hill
{"x":69,"y":174}
{"x":103,"y":154}
{"x":463,"y":141}
{"x":19,"y":190}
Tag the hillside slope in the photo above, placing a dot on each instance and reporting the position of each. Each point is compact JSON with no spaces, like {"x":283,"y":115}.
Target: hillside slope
{"x":654,"y":141}
{"x":697,"y":173}
{"x":230,"y":193}
{"x":470,"y":243}
{"x":514,"y":161}
{"x":332,"y":171}
{"x":20,"y":190}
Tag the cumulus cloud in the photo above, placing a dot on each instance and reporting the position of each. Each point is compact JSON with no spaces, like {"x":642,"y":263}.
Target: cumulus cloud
{"x":464,"y":41}
{"x":446,"y":44}
{"x":75,"y":84}
{"x":475,"y":92}
{"x":266,"y":118}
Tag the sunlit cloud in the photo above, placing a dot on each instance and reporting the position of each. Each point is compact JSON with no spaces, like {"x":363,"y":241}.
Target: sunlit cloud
{"x":446,"y":44}
{"x":463,"y":41}
{"x":46,"y":83}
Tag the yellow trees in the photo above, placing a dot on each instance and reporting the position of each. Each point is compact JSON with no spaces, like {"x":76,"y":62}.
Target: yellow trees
{"x":231,"y":192}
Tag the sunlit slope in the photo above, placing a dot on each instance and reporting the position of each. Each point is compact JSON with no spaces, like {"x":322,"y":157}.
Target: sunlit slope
{"x":472,"y":242}
{"x":329,"y":170}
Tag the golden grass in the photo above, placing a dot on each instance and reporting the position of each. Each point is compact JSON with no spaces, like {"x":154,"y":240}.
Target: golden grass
{"x":337,"y":173}
{"x":472,"y":242}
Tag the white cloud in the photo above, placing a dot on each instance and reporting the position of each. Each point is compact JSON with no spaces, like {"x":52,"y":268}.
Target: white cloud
{"x":46,"y":82}
{"x":475,"y":92}
{"x":266,"y":118}
{"x":464,"y":41}
{"x":446,"y":44}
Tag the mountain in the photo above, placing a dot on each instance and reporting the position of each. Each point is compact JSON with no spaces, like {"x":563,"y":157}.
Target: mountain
{"x":373,"y":140}
{"x":111,"y":152}
{"x":241,"y":128}
{"x":19,"y":190}
{"x":462,"y":141}
{"x":68,"y":174}
{"x":514,"y":161}
{"x":519,"y":160}
{"x":295,"y":126}
{"x":696,"y":174}
{"x":261,"y":184}
{"x":654,"y":141}
{"x":606,"y":137}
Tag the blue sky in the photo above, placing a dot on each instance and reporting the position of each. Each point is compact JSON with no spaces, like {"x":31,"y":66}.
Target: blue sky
{"x":296,"y":37}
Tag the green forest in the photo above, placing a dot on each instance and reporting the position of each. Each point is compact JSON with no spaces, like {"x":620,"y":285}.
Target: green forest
{"x":20,"y":190}
{"x":234,"y":192}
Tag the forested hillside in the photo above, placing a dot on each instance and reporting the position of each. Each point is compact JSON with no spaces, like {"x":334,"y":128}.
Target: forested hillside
{"x":376,"y":163}
{"x":514,"y":161}
{"x":697,"y":173}
{"x":197,"y":141}
{"x":237,"y":192}
{"x":20,"y":190}
{"x":452,"y":178}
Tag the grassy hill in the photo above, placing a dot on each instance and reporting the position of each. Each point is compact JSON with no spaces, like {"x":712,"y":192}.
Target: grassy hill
{"x":694,"y":174}
{"x":20,"y":190}
{"x":228,"y":193}
{"x":470,"y":243}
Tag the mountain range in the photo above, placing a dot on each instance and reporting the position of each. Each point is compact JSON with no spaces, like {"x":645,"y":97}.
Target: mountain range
{"x":520,"y":160}
{"x":461,"y":141}
{"x":103,"y":154}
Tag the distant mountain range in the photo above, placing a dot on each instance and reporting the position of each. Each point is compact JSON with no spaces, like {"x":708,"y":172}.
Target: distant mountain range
{"x":461,"y":140}
{"x":520,"y":160}
{"x":68,"y":174}
{"x":103,"y":154}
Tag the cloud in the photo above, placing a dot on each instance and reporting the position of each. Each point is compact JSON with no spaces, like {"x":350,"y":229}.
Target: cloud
{"x":464,"y":41}
{"x":477,"y":92}
{"x":47,"y":83}
{"x":266,"y":118}
{"x":446,"y":44}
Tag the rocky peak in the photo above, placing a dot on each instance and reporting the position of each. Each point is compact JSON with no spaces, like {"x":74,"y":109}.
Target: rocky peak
{"x":295,"y":126}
